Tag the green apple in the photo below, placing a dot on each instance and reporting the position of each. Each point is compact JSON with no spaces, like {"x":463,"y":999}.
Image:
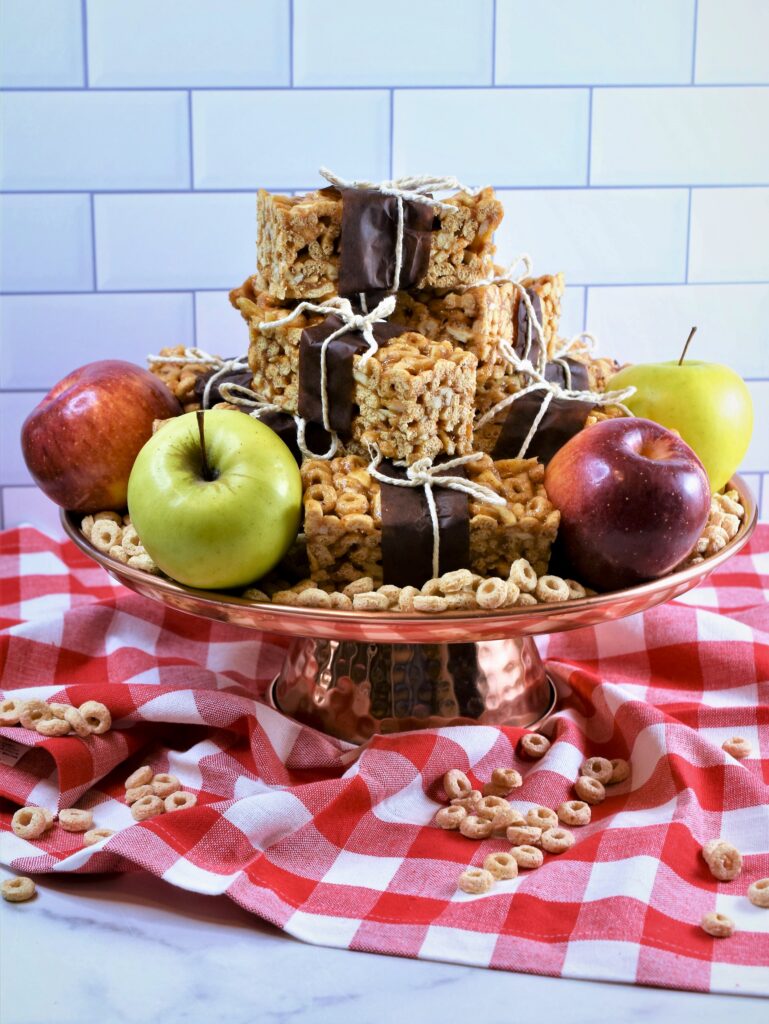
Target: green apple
{"x":216,"y":515}
{"x":708,"y":404}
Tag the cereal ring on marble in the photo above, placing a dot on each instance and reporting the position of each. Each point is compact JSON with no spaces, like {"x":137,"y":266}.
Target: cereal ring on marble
{"x":597,"y":768}
{"x":52,"y":727}
{"x":97,"y":716}
{"x":314,"y":597}
{"x":524,"y":835}
{"x":590,"y":790}
{"x":528,"y":857}
{"x":450,"y":817}
{"x":147,"y":807}
{"x":720,"y":926}
{"x":370,"y":602}
{"x":557,"y":840}
{"x":758,"y":892}
{"x":551,"y":589}
{"x":475,"y":827}
{"x":137,"y":792}
{"x":475,"y":881}
{"x":456,"y":784}
{"x":30,"y":822}
{"x":723,"y":859}
{"x":141,"y":777}
{"x":456,"y":581}
{"x":429,"y":603}
{"x":74,"y":820}
{"x":542,"y":817}
{"x":574,"y":812}
{"x":33,"y":711}
{"x":738,"y":747}
{"x":620,"y":771}
{"x":534,"y":745}
{"x":340,"y":601}
{"x":179,"y":802}
{"x":470,"y":801}
{"x":164,"y":785}
{"x":491,"y":593}
{"x":364,"y":585}
{"x":10,"y":710}
{"x":524,"y":577}
{"x":105,"y":534}
{"x":525,"y":601}
{"x":506,"y":778}
{"x":501,"y":865}
{"x":17,"y":890}
{"x":576,"y":590}
{"x":95,"y":835}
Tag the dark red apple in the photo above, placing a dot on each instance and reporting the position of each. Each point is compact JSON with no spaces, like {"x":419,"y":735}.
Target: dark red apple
{"x":633,"y":499}
{"x":81,"y":441}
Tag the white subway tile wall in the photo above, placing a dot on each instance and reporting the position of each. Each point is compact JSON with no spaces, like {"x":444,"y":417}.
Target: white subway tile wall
{"x":627,"y":141}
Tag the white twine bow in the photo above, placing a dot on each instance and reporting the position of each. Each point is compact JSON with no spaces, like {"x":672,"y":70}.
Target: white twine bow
{"x":352,"y":321}
{"x":412,"y":190}
{"x":423,"y":473}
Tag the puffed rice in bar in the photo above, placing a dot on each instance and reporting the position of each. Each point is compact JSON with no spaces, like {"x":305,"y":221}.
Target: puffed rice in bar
{"x":180,"y":376}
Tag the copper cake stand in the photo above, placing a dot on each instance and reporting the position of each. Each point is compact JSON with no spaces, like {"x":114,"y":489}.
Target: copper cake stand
{"x":355,"y":674}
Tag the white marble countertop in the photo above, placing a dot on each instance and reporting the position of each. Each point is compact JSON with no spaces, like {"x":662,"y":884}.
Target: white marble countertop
{"x":131,"y":948}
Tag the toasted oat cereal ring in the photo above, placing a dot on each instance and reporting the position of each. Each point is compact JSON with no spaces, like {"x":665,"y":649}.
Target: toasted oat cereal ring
{"x":723,"y":859}
{"x":469,"y":801}
{"x":450,"y":817}
{"x":475,"y":827}
{"x":33,"y":711}
{"x":137,"y":792}
{"x":30,"y":822}
{"x":534,"y":745}
{"x":105,"y":534}
{"x":489,"y":789}
{"x":429,"y":603}
{"x":557,"y":840}
{"x":551,"y":589}
{"x":524,"y":577}
{"x":97,"y":716}
{"x":141,"y":777}
{"x":597,"y":768}
{"x":525,"y":600}
{"x":590,"y":790}
{"x":718,"y":925}
{"x":456,"y":581}
{"x":406,"y":599}
{"x":48,"y":817}
{"x":370,"y":602}
{"x":737,"y":746}
{"x":77,"y":722}
{"x":489,"y":805}
{"x":574,"y":812}
{"x":179,"y":801}
{"x":506,"y":778}
{"x":491,"y":593}
{"x":758,"y":892}
{"x":52,"y":727}
{"x":143,"y":562}
{"x":86,"y":525}
{"x":475,"y":881}
{"x":456,"y":784}
{"x":620,"y":771}
{"x":164,"y":785}
{"x":464,"y":601}
{"x":314,"y":597}
{"x":74,"y":820}
{"x":391,"y":592}
{"x":147,"y":807}
{"x":17,"y":890}
{"x":524,"y":835}
{"x":114,"y":517}
{"x":501,"y":865}
{"x":542,"y":817}
{"x":340,"y":601}
{"x":95,"y":835}
{"x":10,"y":711}
{"x":364,"y":585}
{"x":131,"y":542}
{"x":527,"y":857}
{"x":576,"y":590}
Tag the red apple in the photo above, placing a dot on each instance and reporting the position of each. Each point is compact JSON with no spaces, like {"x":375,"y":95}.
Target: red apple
{"x":633,"y":499}
{"x":81,"y":441}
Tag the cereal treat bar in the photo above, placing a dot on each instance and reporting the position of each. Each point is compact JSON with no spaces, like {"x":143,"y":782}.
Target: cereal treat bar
{"x":298,"y":239}
{"x":478,"y":319}
{"x":180,"y":376}
{"x":413,"y":399}
{"x":343,"y":520}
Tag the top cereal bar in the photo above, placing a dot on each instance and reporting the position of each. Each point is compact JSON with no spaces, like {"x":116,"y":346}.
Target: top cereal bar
{"x":298,"y":242}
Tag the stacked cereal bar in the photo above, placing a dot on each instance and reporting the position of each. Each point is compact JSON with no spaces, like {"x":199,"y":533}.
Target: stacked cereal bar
{"x":298,"y":242}
{"x":343,"y":518}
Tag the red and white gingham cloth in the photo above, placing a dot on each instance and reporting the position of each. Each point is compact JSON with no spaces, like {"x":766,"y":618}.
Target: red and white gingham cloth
{"x":339,"y":849}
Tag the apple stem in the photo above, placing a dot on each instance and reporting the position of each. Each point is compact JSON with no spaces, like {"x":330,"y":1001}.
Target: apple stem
{"x":692,"y":332}
{"x":207,"y":474}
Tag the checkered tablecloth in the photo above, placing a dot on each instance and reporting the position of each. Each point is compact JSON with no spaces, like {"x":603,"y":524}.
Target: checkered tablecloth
{"x":336,"y":845}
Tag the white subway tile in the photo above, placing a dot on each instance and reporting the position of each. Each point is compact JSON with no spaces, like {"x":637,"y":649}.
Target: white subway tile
{"x":757,"y":459}
{"x":763,"y":511}
{"x":487,"y":136}
{"x":728,"y":235}
{"x":45,"y":243}
{"x":29,"y":506}
{"x":680,"y":136}
{"x":66,"y":331}
{"x":435,"y":42}
{"x":14,"y":409}
{"x":572,"y":312}
{"x":219,"y":326}
{"x":594,"y":42}
{"x":599,"y":236}
{"x":732,"y":41}
{"x":649,"y":324}
{"x":41,"y":43}
{"x":94,"y":140}
{"x":189,"y":42}
{"x":280,"y":139}
{"x":158,"y":242}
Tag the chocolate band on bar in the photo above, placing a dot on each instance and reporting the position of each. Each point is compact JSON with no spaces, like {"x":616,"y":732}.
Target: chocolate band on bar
{"x":367,"y":242}
{"x":576,"y":379}
{"x":407,"y":530}
{"x":562,"y":420}
{"x":243,"y":378}
{"x":522,"y":330}
{"x":339,"y":379}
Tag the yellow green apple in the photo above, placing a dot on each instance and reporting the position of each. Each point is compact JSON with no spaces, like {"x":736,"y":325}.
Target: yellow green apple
{"x":216,"y":507}
{"x":708,"y":404}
